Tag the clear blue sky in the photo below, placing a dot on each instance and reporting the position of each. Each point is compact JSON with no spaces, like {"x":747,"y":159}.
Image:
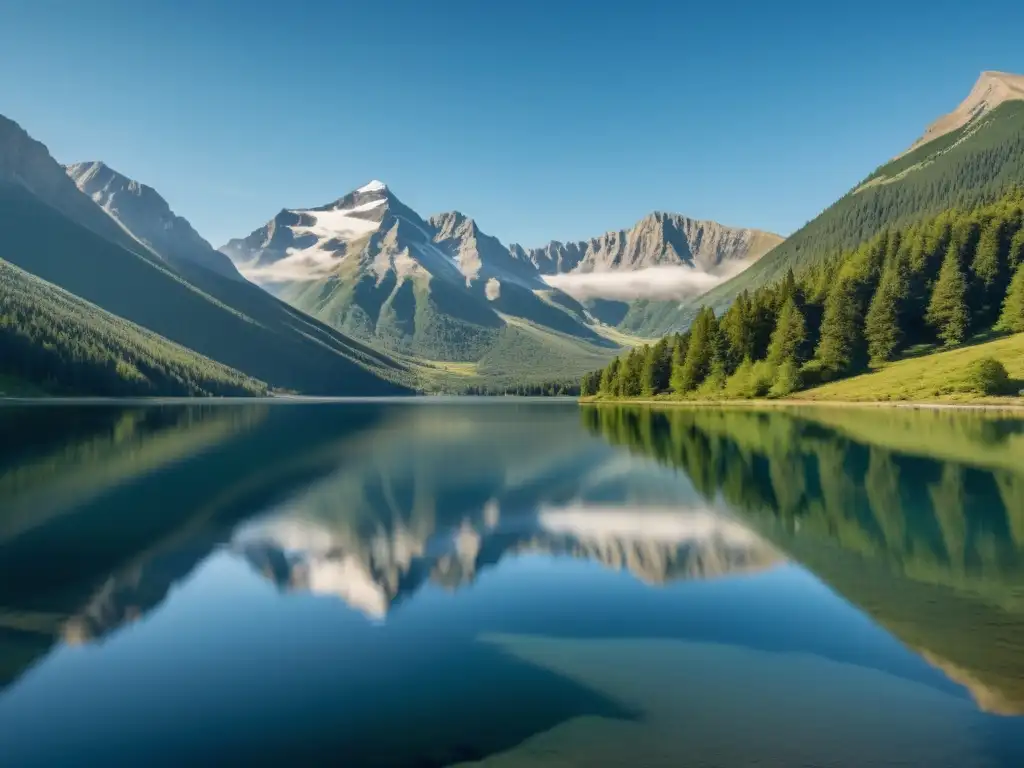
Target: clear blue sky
{"x":542,"y":120}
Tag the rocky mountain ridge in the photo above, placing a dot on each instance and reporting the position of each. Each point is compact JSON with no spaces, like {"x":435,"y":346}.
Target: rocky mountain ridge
{"x":142,"y":211}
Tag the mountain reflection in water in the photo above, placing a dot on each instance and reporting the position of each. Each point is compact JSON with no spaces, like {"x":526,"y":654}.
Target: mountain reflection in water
{"x":520,"y":583}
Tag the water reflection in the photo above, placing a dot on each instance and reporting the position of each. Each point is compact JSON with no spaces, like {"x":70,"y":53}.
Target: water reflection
{"x":505,"y":583}
{"x":915,"y":517}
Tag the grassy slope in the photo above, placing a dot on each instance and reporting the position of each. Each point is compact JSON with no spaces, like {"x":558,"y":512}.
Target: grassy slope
{"x":55,"y":342}
{"x":234,"y":323}
{"x":935,"y":377}
{"x":961,"y":169}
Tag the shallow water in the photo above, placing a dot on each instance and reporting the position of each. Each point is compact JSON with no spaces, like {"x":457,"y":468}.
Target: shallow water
{"x":510,"y":583}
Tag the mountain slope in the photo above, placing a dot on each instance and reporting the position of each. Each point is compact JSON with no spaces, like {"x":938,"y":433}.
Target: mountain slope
{"x":372,"y":267}
{"x":147,"y":216}
{"x":223,"y":318}
{"x":966,"y":158}
{"x":58,"y":343}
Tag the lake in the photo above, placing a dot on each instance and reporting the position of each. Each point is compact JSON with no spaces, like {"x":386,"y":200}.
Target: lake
{"x":510,"y":583}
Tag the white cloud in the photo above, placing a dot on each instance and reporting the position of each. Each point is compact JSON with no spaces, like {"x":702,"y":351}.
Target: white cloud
{"x":651,"y":283}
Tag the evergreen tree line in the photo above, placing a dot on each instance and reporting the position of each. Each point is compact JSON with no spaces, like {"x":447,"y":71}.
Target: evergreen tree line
{"x":64,"y":345}
{"x":937,"y":282}
{"x":536,"y":389}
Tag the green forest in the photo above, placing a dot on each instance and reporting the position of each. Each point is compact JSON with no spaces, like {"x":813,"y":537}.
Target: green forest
{"x":934,"y":284}
{"x":64,"y":345}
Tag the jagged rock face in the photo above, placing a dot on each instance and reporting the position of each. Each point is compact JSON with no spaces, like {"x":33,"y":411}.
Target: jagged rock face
{"x":145,"y":214}
{"x":370,"y":224}
{"x":657,"y":240}
{"x":371,"y":266}
{"x":990,"y":90}
{"x":479,"y":256}
{"x":27,"y":163}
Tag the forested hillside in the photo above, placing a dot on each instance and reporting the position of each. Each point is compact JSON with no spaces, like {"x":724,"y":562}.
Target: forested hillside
{"x":937,"y":283}
{"x":961,"y":169}
{"x":55,"y":342}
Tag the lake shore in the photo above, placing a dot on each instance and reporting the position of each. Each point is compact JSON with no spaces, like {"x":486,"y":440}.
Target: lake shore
{"x":1015,"y":404}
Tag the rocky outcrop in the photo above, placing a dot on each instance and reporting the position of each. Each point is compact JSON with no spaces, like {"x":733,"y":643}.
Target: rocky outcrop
{"x":991,"y":90}
{"x":146,"y":215}
{"x":658,"y":240}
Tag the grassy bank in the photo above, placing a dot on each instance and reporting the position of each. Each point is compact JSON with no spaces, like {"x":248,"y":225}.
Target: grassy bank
{"x":935,"y":379}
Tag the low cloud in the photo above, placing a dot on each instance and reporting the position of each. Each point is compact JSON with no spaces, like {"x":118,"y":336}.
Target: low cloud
{"x":662,"y":283}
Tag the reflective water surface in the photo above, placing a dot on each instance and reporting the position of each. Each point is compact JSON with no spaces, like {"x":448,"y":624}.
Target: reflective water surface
{"x":510,"y":583}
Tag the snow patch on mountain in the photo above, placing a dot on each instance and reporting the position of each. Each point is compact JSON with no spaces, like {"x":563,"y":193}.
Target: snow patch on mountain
{"x":373,"y":186}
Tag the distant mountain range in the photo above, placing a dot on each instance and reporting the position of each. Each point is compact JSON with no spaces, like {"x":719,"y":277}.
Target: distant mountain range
{"x":443,"y":289}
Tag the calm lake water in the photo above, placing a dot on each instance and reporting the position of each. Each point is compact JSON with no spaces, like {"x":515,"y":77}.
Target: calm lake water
{"x":510,"y":583}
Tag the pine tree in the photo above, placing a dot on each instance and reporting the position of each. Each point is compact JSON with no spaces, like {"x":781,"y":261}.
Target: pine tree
{"x":787,"y":379}
{"x":1017,"y":249}
{"x":989,"y":274}
{"x":882,"y":324}
{"x":657,"y":367}
{"x":1012,"y":318}
{"x":738,"y":332}
{"x":703,"y":350}
{"x":839,"y":349}
{"x":609,"y":378}
{"x":631,"y":373}
{"x":947,"y":309}
{"x":676,"y":381}
{"x":789,"y":336}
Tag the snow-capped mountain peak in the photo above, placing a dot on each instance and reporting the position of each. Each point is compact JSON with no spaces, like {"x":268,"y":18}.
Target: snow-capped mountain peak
{"x":373,"y":186}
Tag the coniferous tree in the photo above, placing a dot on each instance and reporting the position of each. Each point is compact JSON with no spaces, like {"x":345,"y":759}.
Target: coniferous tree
{"x":587,"y":384}
{"x":703,"y":350}
{"x":631,"y":373}
{"x":657,"y":367}
{"x":882,"y":324}
{"x":609,"y":378}
{"x":677,"y":383}
{"x":787,"y":379}
{"x":1016,"y":255}
{"x":789,"y":336}
{"x":841,"y":335}
{"x":738,"y":332}
{"x":1012,"y":317}
{"x":947,"y":309}
{"x":989,"y":274}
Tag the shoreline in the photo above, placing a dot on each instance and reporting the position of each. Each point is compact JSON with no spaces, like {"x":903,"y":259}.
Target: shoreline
{"x":1015,"y":407}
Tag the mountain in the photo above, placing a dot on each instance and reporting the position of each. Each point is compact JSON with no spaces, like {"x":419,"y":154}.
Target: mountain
{"x":658,"y":241}
{"x":990,"y":91}
{"x":26,"y":163}
{"x":54,"y":342}
{"x":965,"y":158}
{"x":146,"y":215}
{"x":440,"y":289}
{"x":50,"y":229}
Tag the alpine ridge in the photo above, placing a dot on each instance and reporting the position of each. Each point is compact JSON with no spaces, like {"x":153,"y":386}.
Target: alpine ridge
{"x":442,"y":289}
{"x":143,"y":212}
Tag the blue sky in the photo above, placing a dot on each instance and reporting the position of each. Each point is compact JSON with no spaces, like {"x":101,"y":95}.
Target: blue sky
{"x":541,"y":119}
